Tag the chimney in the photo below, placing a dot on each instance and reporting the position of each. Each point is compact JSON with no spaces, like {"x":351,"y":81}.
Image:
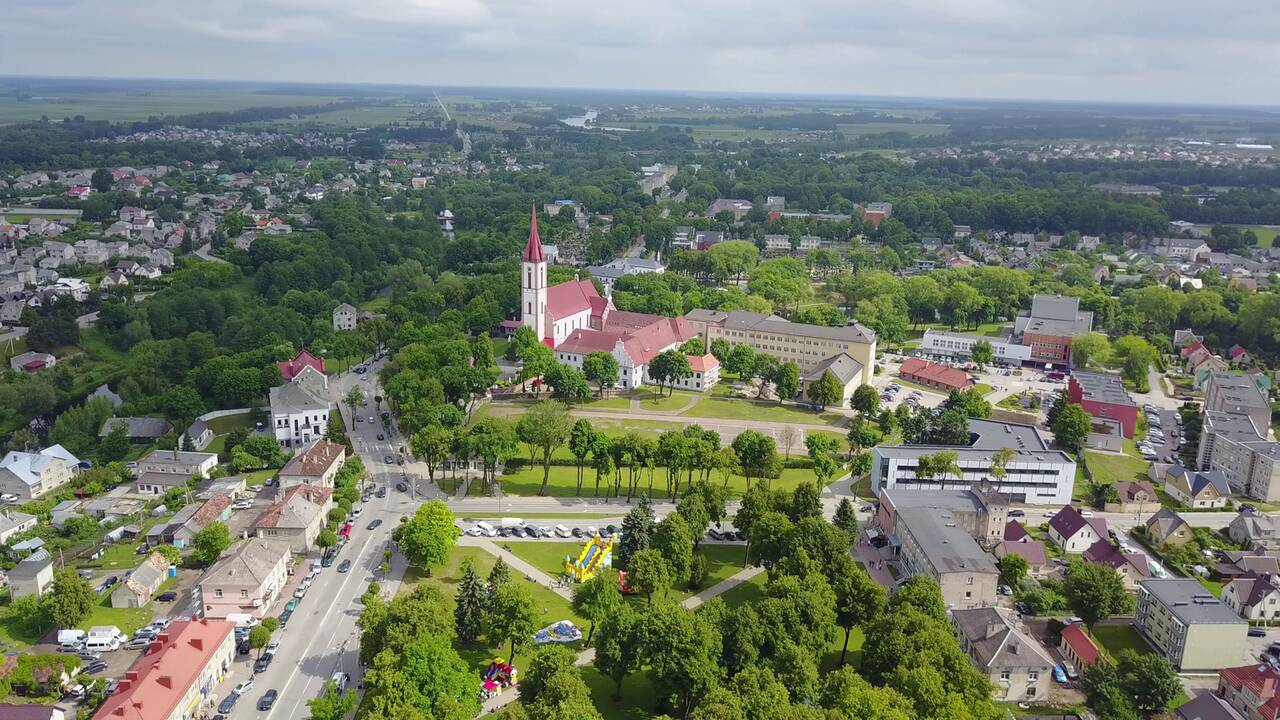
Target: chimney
{"x":197,"y":643}
{"x":165,"y":681}
{"x":1268,"y":685}
{"x":124,"y":685}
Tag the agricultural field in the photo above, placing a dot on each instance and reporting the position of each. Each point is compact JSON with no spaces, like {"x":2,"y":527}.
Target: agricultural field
{"x":1266,"y":233}
{"x":117,"y":106}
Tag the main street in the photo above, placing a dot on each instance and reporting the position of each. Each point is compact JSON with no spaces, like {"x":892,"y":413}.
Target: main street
{"x":321,"y":638}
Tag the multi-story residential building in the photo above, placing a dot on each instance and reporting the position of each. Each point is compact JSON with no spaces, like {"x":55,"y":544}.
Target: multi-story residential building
{"x":33,"y":575}
{"x":164,"y":469}
{"x":297,"y":517}
{"x":805,"y":345}
{"x":247,"y":581}
{"x":300,"y":409}
{"x":30,"y":475}
{"x":932,"y":544}
{"x":345,"y":317}
{"x":980,"y":510}
{"x":1035,"y":475}
{"x":1049,"y":327}
{"x":1102,"y":395}
{"x":318,"y":464}
{"x":612,"y":272}
{"x":1187,"y":625}
{"x":1003,"y":352}
{"x":1234,"y":392}
{"x":177,"y":676}
{"x":1250,"y":691}
{"x":1018,"y":667}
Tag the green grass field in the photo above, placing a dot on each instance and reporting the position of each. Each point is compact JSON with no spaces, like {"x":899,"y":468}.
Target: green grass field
{"x":258,"y":477}
{"x":653,"y":400}
{"x":223,"y":425}
{"x":1118,"y":638}
{"x":117,"y":556}
{"x":1110,"y":467}
{"x":124,"y":106}
{"x":609,"y":403}
{"x":738,"y":409}
{"x":1266,"y":235}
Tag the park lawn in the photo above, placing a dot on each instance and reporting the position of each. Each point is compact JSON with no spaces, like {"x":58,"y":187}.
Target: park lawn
{"x":129,"y":620}
{"x":984,"y":388}
{"x":1110,"y":467}
{"x":740,"y":409}
{"x":527,"y":481}
{"x":659,"y":401}
{"x":609,"y":403}
{"x":225,"y":424}
{"x":1118,"y":638}
{"x":259,"y":477}
{"x":334,"y":365}
{"x":638,"y":696}
{"x":547,"y":556}
{"x":991,"y":329}
{"x":748,"y":591}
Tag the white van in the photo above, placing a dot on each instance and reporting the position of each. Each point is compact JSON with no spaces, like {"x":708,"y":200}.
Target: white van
{"x":487,"y":529}
{"x":243,"y":620}
{"x":562,"y":531}
{"x":102,"y":644}
{"x":340,"y":679}
{"x":70,"y":636}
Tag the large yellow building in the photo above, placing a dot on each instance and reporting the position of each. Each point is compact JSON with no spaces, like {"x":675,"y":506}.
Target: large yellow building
{"x":808,"y":346}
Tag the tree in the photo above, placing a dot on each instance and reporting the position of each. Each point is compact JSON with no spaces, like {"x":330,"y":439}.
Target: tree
{"x":822,"y":450}
{"x":258,"y":638}
{"x":1000,"y":460}
{"x":469,"y":602}
{"x":499,"y":574}
{"x":649,"y":572}
{"x":327,"y":538}
{"x":682,"y":650}
{"x":581,"y":437}
{"x":597,"y":598}
{"x":569,"y":384}
{"x":757,"y":455}
{"x":865,"y":400}
{"x":1094,"y":591}
{"x":846,"y":519}
{"x":546,"y":426}
{"x":433,"y":444}
{"x":209,"y":543}
{"x":806,"y":501}
{"x":601,"y":368}
{"x":545,"y":664}
{"x":786,"y":382}
{"x":859,"y":600}
{"x":115,"y":446}
{"x":637,"y":532}
{"x":938,"y":465}
{"x":982,"y":352}
{"x":741,"y":361}
{"x":1149,"y":680}
{"x":669,"y":368}
{"x":101,"y":180}
{"x":1089,"y":348}
{"x":1071,"y":427}
{"x":70,"y":598}
{"x":332,"y":705}
{"x":618,"y":647}
{"x":1135,"y":356}
{"x":1013,"y":568}
{"x":428,"y":536}
{"x":511,"y":617}
{"x":923,"y":594}
{"x":354,"y":399}
{"x":789,"y":436}
{"x":826,"y":390}
{"x":674,"y":541}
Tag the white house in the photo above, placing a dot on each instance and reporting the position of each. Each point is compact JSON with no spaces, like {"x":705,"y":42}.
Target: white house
{"x":1075,"y":533}
{"x":30,"y":475}
{"x":300,"y":409}
{"x":345,"y":317}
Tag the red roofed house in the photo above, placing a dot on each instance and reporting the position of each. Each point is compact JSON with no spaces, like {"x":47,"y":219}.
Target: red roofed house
{"x":574,"y":320}
{"x":934,"y":375}
{"x":1073,"y":532}
{"x":79,"y":192}
{"x":1078,"y":647}
{"x":1017,"y":542}
{"x":1131,"y":566}
{"x":1251,"y":690}
{"x":289,"y":369}
{"x":297,"y":517}
{"x":1239,"y":356}
{"x":177,"y":676}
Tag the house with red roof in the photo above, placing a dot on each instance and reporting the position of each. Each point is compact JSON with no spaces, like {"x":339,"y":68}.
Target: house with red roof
{"x":1239,"y":356}
{"x":1018,"y":542}
{"x":177,"y":676}
{"x":574,"y":320}
{"x":1251,"y":690}
{"x":1075,"y":533}
{"x":289,"y":369}
{"x":1132,"y":566}
{"x":1078,"y":647}
{"x":934,"y":375}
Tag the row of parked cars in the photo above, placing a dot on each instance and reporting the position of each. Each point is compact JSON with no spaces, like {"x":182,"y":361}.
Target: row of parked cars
{"x":484,"y":529}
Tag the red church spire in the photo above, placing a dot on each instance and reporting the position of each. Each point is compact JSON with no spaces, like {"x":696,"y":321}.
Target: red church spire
{"x":533,"y":248}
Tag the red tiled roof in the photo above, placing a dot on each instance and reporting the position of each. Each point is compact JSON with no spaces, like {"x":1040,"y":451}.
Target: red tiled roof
{"x":289,"y":369}
{"x":1261,"y":680}
{"x":933,"y":372}
{"x":571,"y":298}
{"x":1193,"y":347}
{"x":1080,"y":643}
{"x":157,"y":682}
{"x":313,"y":493}
{"x":646,"y":343}
{"x":703,"y":363}
{"x":533,"y":248}
{"x":584,"y":341}
{"x":211,"y":510}
{"x":1237,"y":351}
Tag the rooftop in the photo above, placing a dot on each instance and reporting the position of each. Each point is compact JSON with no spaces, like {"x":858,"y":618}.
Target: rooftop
{"x":1236,"y":389}
{"x":1190,"y":602}
{"x":842,"y":365}
{"x":1102,"y":387}
{"x":948,"y":546}
{"x":157,"y":682}
{"x":1233,"y":426}
{"x":251,"y":563}
{"x":758,"y":322}
{"x":996,"y":643}
{"x":315,"y":460}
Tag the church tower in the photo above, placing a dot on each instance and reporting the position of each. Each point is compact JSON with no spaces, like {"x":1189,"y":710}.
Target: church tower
{"x":533,"y":283}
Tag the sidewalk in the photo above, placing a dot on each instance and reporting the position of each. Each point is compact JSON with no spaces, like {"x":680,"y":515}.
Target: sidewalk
{"x":516,"y":564}
{"x":866,"y":553}
{"x":720,"y":588}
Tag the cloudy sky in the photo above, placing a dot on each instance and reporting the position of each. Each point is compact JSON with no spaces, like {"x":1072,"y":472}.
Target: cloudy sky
{"x":1144,"y":50}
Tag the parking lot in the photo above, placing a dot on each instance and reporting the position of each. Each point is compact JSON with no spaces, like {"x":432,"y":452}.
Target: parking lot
{"x":1164,"y":435}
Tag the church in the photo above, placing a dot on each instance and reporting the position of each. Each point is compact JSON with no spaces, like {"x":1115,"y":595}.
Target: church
{"x":574,"y":320}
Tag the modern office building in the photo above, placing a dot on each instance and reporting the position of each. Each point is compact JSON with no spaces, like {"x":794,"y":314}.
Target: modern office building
{"x":953,"y":344}
{"x":1190,"y":627}
{"x":1049,"y":327}
{"x":1035,"y":474}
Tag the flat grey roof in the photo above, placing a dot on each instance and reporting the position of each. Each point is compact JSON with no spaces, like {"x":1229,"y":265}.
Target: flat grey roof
{"x":949,"y":547}
{"x":1103,"y":387}
{"x":1055,"y":307}
{"x":1238,"y":388}
{"x":951,"y":500}
{"x":993,"y":435}
{"x":758,"y":322}
{"x":1190,"y":602}
{"x":1233,"y":426}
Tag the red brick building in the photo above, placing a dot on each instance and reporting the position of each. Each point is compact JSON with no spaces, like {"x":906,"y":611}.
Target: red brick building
{"x":1102,"y":395}
{"x":934,"y":375}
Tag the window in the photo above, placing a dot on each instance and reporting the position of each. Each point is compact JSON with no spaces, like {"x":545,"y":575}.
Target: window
{"x":1032,"y":676}
{"x":217,"y":592}
{"x":244,"y":593}
{"x":1004,"y":674}
{"x":968,"y":580}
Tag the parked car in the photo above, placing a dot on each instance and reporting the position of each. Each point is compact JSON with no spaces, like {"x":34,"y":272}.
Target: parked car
{"x":263,"y":662}
{"x":267,"y":700}
{"x":1257,"y":632}
{"x":96,"y":666}
{"x":577,"y":532}
{"x":243,"y":687}
{"x":228,"y":703}
{"x":167,"y":596}
{"x":714,"y":534}
{"x":1017,"y":513}
{"x":382,"y":492}
{"x":402,"y":487}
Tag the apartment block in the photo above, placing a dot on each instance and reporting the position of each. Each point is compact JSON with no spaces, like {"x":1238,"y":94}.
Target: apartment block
{"x":1190,"y":627}
{"x":1234,"y":392}
{"x":805,"y":345}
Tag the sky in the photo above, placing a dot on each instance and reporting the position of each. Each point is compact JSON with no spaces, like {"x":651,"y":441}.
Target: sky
{"x":1113,"y":50}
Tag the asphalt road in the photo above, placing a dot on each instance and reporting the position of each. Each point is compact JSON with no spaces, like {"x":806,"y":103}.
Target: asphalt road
{"x":321,"y":638}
